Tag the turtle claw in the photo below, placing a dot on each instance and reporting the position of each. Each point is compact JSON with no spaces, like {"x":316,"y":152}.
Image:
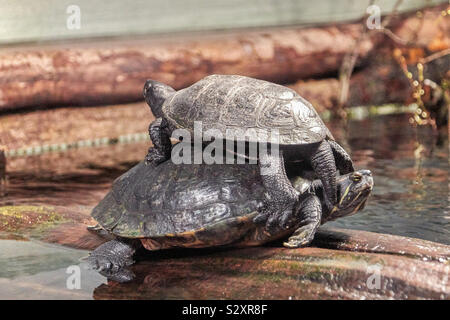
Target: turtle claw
{"x":302,"y":237}
{"x":113,"y":269}
{"x":274,"y":219}
{"x":96,"y":227}
{"x":286,"y":220}
{"x":155,"y":157}
{"x":122,"y":275}
{"x":111,"y":259}
{"x":107,"y":264}
{"x":295,"y":244}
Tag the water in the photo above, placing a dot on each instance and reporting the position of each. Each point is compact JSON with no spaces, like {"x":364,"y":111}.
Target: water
{"x":410,"y":198}
{"x":411,"y":195}
{"x":36,"y":270}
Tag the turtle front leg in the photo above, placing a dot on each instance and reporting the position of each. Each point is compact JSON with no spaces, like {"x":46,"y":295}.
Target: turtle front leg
{"x":310,"y":214}
{"x":322,"y":161}
{"x":281,"y":194}
{"x":162,"y":146}
{"x":343,"y":161}
{"x":112,"y":260}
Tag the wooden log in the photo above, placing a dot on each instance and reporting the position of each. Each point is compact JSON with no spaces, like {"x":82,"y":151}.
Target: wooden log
{"x":2,"y":171}
{"x":100,"y":72}
{"x":379,"y":83}
{"x":340,"y":264}
{"x":71,"y":124}
{"x":114,"y":72}
{"x":279,"y":273}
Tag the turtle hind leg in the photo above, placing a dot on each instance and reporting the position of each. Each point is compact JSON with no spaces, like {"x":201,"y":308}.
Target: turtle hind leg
{"x":113,"y":258}
{"x":310,"y":214}
{"x":343,"y":161}
{"x":322,"y":161}
{"x":282,"y":195}
{"x":162,"y":147}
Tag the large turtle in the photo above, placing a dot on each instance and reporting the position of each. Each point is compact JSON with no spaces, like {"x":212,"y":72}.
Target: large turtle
{"x":207,"y":205}
{"x":229,"y":103}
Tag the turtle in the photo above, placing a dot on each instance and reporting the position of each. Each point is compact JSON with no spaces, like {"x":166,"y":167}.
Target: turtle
{"x":197,"y":206}
{"x":229,"y":103}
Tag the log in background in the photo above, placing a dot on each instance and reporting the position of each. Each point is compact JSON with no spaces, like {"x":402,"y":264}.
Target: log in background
{"x":114,"y":72}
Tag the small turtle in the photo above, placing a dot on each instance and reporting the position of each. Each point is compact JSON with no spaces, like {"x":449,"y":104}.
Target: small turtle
{"x":204,"y":206}
{"x":232,"y":102}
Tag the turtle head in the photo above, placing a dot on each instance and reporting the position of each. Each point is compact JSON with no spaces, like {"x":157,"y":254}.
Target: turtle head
{"x":155,"y":93}
{"x":353,"y":190}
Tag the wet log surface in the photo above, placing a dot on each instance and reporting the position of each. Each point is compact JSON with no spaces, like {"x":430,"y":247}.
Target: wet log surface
{"x":278,"y":273}
{"x":340,"y":264}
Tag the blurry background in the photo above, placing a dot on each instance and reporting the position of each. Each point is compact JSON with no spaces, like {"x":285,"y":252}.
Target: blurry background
{"x":28,"y":20}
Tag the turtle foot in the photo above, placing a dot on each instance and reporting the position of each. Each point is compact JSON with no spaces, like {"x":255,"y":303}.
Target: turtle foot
{"x":275,"y":219}
{"x":301,"y":238}
{"x":123,"y":275}
{"x":155,"y":157}
{"x":111,"y":259}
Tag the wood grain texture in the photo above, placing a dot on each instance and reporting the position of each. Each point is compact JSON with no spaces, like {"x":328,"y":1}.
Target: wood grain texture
{"x":114,"y":72}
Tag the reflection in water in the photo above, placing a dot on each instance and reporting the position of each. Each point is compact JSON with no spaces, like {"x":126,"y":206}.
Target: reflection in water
{"x":34,"y":270}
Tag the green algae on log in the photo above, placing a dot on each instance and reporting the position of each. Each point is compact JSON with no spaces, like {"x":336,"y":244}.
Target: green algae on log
{"x":34,"y":220}
{"x":16,"y":219}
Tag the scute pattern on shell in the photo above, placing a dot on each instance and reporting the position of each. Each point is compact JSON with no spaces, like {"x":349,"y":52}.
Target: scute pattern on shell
{"x":171,"y":199}
{"x":225,"y":102}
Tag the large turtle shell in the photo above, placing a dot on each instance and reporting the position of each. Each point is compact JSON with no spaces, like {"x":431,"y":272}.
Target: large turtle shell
{"x":170,"y":199}
{"x":225,"y":102}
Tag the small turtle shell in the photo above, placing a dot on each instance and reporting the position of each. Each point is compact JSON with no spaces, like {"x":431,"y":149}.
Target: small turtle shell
{"x":258,"y":110}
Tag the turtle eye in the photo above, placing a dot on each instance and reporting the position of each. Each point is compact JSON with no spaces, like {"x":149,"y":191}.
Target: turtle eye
{"x":356,"y":177}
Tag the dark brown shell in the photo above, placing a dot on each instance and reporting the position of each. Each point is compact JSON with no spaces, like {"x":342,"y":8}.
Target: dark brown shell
{"x":231,"y":102}
{"x":179,"y":200}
